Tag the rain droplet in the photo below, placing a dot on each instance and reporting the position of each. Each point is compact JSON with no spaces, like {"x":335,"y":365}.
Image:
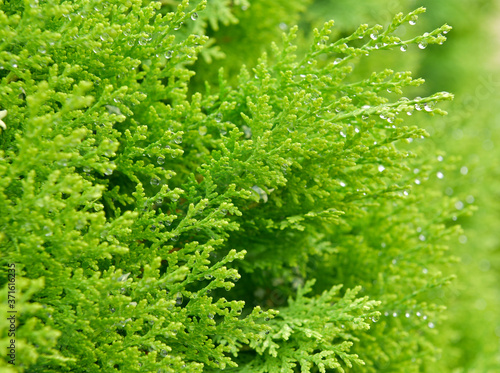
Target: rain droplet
{"x":47,"y":231}
{"x":413,"y":20}
{"x":247,"y":131}
{"x":431,"y":325}
{"x":421,"y":237}
{"x":407,"y":314}
{"x":161,"y":160}
{"x":395,"y":314}
{"x":417,"y":181}
{"x":381,"y":168}
{"x":374,"y":36}
{"x":440,"y":175}
{"x":459,"y":205}
{"x":194,"y":16}
{"x":123,"y":278}
{"x":262,"y":194}
{"x":163,"y":353}
{"x":470,"y":199}
{"x":202,"y":131}
{"x":342,"y":134}
{"x":218,"y":117}
{"x":422,"y":44}
{"x":178,"y":299}
{"x":464,"y":170}
{"x":155,"y":181}
{"x":342,"y":184}
{"x":178,"y":140}
{"x":211,"y":316}
{"x":168,"y":54}
{"x":403,"y":48}
{"x":424,"y":271}
{"x":108,"y":171}
{"x":337,"y":61}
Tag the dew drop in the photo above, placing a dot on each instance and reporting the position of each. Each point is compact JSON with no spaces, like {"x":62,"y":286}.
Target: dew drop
{"x":464,"y":170}
{"x":403,"y":48}
{"x":163,"y":353}
{"x":417,"y":181}
{"x":123,"y":278}
{"x":178,"y":299}
{"x":395,"y":314}
{"x":247,"y":131}
{"x":459,"y":205}
{"x":422,"y":44}
{"x":178,"y":140}
{"x":168,"y":55}
{"x":407,"y":314}
{"x":374,"y":36}
{"x":342,"y":134}
{"x":194,"y":16}
{"x":381,"y":168}
{"x":440,"y":175}
{"x":108,"y":171}
{"x":47,"y":231}
{"x":342,"y":184}
{"x":424,"y":271}
{"x":155,"y":181}
{"x":161,"y":160}
{"x":413,"y":20}
{"x":218,"y":117}
{"x":202,"y":131}
{"x":421,"y":237}
{"x":431,"y":325}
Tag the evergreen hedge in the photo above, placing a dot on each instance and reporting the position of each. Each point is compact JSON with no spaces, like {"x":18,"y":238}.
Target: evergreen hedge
{"x":133,"y":198}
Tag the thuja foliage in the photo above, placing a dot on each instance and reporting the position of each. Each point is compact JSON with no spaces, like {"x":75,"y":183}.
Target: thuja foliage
{"x":131,"y":209}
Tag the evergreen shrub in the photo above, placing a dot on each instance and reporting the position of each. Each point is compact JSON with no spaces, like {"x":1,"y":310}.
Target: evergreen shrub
{"x":131,"y":206}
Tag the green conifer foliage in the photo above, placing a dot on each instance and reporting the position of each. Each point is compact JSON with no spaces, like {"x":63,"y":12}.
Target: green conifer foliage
{"x":131,"y":210}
